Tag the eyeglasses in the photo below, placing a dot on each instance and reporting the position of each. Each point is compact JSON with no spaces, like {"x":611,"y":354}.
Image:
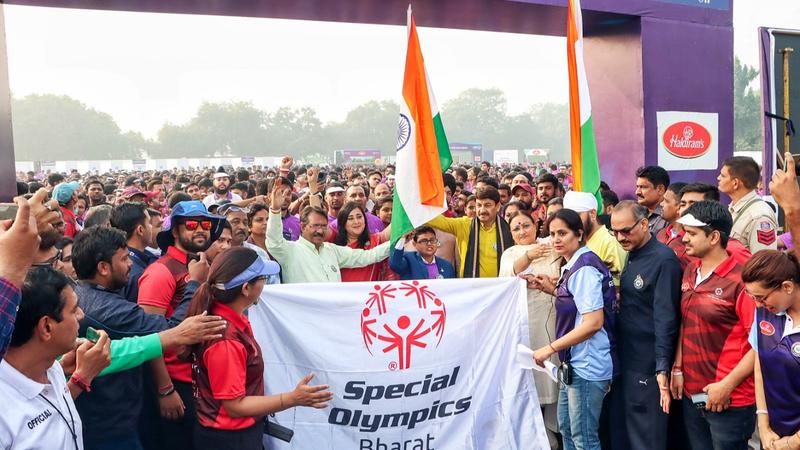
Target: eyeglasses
{"x":50,"y":262}
{"x":428,"y":241}
{"x":192,"y":225}
{"x":626,"y":231}
{"x":762,"y":298}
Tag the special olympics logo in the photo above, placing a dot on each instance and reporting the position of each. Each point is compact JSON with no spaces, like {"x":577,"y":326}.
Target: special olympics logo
{"x":400,"y":333}
{"x":403,"y":132}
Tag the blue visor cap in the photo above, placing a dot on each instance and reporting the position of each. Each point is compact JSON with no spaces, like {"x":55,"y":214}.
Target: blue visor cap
{"x":260,"y":268}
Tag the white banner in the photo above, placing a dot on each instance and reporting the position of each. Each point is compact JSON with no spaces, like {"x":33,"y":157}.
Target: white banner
{"x":413,"y":365}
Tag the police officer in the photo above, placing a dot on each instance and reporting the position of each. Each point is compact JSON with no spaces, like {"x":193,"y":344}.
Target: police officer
{"x":647,"y":327}
{"x":773,"y":280}
{"x":754,"y":222}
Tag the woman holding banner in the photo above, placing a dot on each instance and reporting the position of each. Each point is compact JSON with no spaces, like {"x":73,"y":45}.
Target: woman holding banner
{"x":585,"y":296}
{"x":228,"y":374}
{"x":539,"y":259}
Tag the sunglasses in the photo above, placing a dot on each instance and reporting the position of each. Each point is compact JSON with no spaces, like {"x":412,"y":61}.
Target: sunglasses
{"x":626,"y":231}
{"x":192,"y":225}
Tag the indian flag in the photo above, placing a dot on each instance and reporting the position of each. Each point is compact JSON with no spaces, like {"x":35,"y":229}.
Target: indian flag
{"x":585,"y":166}
{"x":422,"y":149}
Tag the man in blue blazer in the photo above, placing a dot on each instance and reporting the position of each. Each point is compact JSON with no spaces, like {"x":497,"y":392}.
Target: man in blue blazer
{"x":422,"y":264}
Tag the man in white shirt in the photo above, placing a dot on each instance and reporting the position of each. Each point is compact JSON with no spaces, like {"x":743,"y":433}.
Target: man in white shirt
{"x":43,"y":415}
{"x":222,"y":184}
{"x":310,"y":259}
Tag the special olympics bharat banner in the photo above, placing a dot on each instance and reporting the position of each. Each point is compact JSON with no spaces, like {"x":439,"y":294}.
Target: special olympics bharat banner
{"x":413,"y":365}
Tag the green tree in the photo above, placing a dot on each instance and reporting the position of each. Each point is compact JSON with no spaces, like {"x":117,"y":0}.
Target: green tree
{"x":52,"y":127}
{"x":746,"y":109}
{"x":218,"y":129}
{"x":476,"y":115}
{"x":370,"y":125}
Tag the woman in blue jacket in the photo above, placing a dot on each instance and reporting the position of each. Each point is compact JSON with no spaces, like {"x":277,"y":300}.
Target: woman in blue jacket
{"x":422,"y":264}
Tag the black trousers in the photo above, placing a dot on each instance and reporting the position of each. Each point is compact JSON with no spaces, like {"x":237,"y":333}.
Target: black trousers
{"x":178,"y":434}
{"x":214,"y":439}
{"x":637,"y":421}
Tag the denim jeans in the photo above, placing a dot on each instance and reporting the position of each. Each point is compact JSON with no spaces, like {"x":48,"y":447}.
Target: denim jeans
{"x":579,"y":406}
{"x":726,"y":430}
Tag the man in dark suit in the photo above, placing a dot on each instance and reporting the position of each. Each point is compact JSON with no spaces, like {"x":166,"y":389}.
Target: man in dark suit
{"x":422,"y":264}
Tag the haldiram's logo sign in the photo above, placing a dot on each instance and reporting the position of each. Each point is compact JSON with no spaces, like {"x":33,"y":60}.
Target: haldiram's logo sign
{"x":686,"y":139}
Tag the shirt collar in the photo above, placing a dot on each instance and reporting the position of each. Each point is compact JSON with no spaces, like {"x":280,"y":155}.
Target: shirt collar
{"x":575,"y":257}
{"x":237,"y":320}
{"x":656,"y":212}
{"x":27,"y":387}
{"x":178,"y":255}
{"x":306,"y":243}
{"x":722,"y":270}
{"x":736,"y":207}
{"x":145,"y":256}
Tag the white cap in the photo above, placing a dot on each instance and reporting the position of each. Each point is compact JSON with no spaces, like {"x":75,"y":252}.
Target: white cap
{"x":691,"y":221}
{"x":334,"y":189}
{"x":580,"y":201}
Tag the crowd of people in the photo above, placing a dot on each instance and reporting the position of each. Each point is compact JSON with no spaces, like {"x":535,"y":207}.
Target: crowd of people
{"x":123,"y":298}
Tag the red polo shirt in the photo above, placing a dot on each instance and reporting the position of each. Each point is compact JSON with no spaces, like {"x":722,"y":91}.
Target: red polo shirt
{"x":162,"y":285}
{"x":230,"y":368}
{"x":717,"y":316}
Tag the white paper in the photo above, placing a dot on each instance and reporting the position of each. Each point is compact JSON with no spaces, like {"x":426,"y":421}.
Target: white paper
{"x":525,"y":359}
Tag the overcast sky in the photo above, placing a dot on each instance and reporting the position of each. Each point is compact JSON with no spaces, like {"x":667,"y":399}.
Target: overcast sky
{"x":145,"y":69}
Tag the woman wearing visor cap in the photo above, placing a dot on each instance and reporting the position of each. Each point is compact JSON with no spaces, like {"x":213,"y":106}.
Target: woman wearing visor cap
{"x":228,"y":374}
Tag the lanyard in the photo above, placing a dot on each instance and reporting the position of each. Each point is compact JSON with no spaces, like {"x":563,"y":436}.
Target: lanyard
{"x":71,"y":418}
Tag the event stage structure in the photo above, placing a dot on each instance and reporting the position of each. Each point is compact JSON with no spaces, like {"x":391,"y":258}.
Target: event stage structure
{"x":660,"y":72}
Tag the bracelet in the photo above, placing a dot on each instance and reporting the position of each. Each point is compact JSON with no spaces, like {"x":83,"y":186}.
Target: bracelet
{"x":80,"y":382}
{"x":552,"y":348}
{"x":166,"y":388}
{"x":762,"y":411}
{"x":275,"y":212}
{"x":166,"y":394}
{"x":677,"y":373}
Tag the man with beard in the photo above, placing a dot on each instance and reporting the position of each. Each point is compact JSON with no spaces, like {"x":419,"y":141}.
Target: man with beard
{"x":598,"y":238}
{"x":546,"y":187}
{"x":96,"y":192}
{"x":110,"y":411}
{"x":134,"y":220}
{"x":190,"y":230}
{"x":222,"y":183}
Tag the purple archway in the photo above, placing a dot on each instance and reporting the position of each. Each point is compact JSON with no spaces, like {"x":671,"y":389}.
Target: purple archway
{"x":642,"y":56}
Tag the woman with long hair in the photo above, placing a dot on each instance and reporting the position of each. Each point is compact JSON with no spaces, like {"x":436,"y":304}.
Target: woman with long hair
{"x":527,"y":254}
{"x":585,"y":296}
{"x":228,"y":374}
{"x":355,"y":234}
{"x":772,"y":279}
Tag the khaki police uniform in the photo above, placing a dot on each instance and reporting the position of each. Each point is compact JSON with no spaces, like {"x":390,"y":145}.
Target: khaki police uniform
{"x":754,"y":223}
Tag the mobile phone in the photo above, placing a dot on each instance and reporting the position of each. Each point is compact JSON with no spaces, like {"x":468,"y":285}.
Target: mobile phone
{"x":8,"y":211}
{"x":700,"y":400}
{"x":782,"y":163}
{"x":92,"y":335}
{"x":565,"y":373}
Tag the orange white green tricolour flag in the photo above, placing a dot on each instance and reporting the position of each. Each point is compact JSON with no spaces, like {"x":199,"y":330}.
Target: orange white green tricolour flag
{"x":585,"y":165}
{"x":422,"y":149}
